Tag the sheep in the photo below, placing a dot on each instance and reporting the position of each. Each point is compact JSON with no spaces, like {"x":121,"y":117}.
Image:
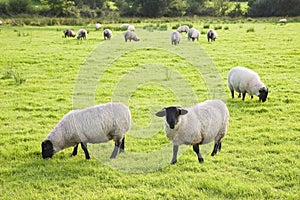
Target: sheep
{"x":69,"y":33}
{"x":244,"y":80}
{"x":193,"y":34}
{"x":195,"y":125}
{"x":184,"y":28}
{"x":82,"y":33}
{"x":96,"y":124}
{"x":175,"y":37}
{"x":131,"y":28}
{"x":124,"y":26}
{"x":283,"y":21}
{"x":107,"y":34}
{"x":128,"y":35}
{"x":1,"y":22}
{"x":211,"y":34}
{"x":98,"y":26}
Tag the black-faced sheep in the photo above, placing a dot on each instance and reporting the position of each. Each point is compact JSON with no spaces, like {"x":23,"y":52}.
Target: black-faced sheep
{"x":96,"y":124}
{"x":69,"y":33}
{"x":211,"y":35}
{"x":195,"y":125}
{"x":107,"y":34}
{"x":244,"y":80}
{"x":184,"y":28}
{"x":193,"y":34}
{"x":129,"y":35}
{"x":82,"y":33}
{"x":175,"y":37}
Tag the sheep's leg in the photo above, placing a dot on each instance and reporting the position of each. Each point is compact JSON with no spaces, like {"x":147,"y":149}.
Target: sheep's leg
{"x":175,"y":151}
{"x":122,"y":147}
{"x":216,"y":148}
{"x":74,"y":153}
{"x":197,"y":150}
{"x":232,"y":93}
{"x":220,"y":146}
{"x":251,"y":96}
{"x":239,"y":95}
{"x":84,"y":148}
{"x":243,"y":96}
{"x":116,"y":149}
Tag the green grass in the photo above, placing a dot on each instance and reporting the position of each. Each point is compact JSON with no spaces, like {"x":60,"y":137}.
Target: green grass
{"x":260,"y":155}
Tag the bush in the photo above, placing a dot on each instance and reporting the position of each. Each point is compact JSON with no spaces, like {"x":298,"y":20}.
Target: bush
{"x":3,"y":8}
{"x":19,"y":6}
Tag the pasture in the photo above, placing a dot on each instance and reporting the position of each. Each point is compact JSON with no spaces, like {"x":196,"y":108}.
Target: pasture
{"x":43,"y":76}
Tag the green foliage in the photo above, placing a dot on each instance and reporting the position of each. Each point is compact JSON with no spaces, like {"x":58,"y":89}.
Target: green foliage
{"x":19,"y":6}
{"x":15,"y":75}
{"x":267,"y":8}
{"x":250,"y":30}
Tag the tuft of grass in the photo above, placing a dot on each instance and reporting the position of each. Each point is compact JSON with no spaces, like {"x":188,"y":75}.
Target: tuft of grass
{"x":15,"y":75}
{"x":206,"y":26}
{"x":249,"y":30}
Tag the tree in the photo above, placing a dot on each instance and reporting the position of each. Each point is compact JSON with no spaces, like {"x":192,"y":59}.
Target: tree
{"x":61,"y":7}
{"x":151,"y":8}
{"x":220,"y":6}
{"x":19,"y":6}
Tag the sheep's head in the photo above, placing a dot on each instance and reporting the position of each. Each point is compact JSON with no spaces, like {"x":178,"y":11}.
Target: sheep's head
{"x":263,"y":94}
{"x":47,"y":149}
{"x":172,"y":114}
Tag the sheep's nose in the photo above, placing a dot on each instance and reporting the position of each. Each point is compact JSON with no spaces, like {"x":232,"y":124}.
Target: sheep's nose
{"x":172,"y":126}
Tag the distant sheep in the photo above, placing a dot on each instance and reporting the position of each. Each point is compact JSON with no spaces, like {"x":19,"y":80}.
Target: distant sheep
{"x":244,"y":80}
{"x":107,"y":34}
{"x":98,"y":26}
{"x":124,"y":26}
{"x":131,"y":28}
{"x":96,"y":124}
{"x":195,"y":125}
{"x":82,"y":33}
{"x":283,"y":21}
{"x":129,"y":35}
{"x":175,"y":37}
{"x":69,"y":33}
{"x":211,"y":35}
{"x":184,"y":28}
{"x":1,"y":22}
{"x":193,"y":34}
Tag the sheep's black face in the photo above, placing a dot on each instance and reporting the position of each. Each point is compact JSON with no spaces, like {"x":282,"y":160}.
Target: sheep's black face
{"x":47,"y":149}
{"x":263,"y":94}
{"x":172,"y":113}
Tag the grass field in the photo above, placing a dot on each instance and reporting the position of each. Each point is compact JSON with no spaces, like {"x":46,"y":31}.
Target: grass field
{"x":43,"y":76}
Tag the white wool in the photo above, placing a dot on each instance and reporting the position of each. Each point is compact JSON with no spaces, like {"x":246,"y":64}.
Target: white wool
{"x":204,"y":123}
{"x":175,"y":37}
{"x":129,"y":35}
{"x":96,"y":124}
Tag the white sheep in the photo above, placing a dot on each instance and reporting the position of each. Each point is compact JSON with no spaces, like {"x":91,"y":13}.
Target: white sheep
{"x":244,"y":80}
{"x":96,"y":124}
{"x":175,"y":37}
{"x":129,"y":35}
{"x":193,"y":34}
{"x":183,"y":28}
{"x":131,"y":28}
{"x":195,"y":125}
{"x":82,"y":33}
{"x":69,"y":33}
{"x":98,"y":26}
{"x":1,"y":22}
{"x":124,"y":26}
{"x":211,"y":35}
{"x":107,"y":34}
{"x":283,"y":21}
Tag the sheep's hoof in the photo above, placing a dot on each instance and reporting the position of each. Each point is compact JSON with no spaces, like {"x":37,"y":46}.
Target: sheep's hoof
{"x":201,"y":160}
{"x":173,"y":162}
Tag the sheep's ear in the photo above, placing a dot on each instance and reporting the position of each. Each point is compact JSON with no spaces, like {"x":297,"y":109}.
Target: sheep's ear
{"x":161,"y":113}
{"x":183,"y":111}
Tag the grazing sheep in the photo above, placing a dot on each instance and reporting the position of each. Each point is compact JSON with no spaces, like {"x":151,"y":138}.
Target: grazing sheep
{"x":69,"y":33}
{"x":193,"y":34}
{"x":131,"y":28}
{"x":124,"y":26}
{"x":107,"y":34}
{"x":198,"y":124}
{"x":244,"y":80}
{"x":184,"y":28}
{"x":98,"y":26}
{"x":211,"y":34}
{"x":96,"y":124}
{"x":283,"y":21}
{"x":82,"y":33}
{"x":128,"y":35}
{"x":1,"y":22}
{"x":175,"y":37}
